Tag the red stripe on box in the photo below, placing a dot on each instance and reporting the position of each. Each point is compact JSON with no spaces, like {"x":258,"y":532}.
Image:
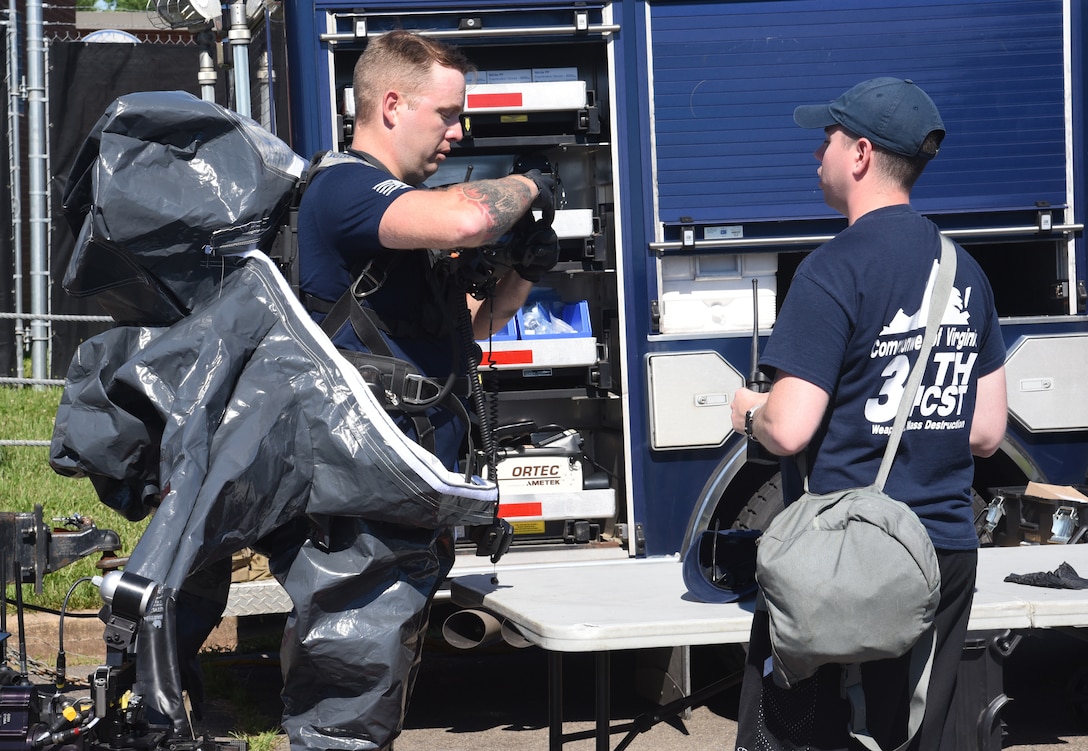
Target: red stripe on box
{"x":508,"y":357}
{"x":511,"y":510}
{"x":480,"y":101}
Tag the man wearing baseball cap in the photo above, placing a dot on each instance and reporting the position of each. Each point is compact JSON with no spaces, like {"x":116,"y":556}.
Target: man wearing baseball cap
{"x":840,"y":352}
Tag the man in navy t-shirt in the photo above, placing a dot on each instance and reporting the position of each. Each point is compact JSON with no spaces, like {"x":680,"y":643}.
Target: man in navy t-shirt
{"x":842,"y":347}
{"x":365,"y":223}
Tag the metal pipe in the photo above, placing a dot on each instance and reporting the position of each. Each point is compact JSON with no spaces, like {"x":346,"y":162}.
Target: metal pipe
{"x":467,"y":629}
{"x":206,"y":75}
{"x":239,"y":37}
{"x":512,"y":635}
{"x":36,"y":157}
{"x":15,"y":156}
{"x":555,"y":701}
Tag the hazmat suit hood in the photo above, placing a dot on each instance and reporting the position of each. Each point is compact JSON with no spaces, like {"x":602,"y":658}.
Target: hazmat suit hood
{"x":153,"y":198}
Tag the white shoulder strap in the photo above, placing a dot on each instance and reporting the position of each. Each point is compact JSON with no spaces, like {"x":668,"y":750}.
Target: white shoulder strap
{"x":938,"y":303}
{"x":921,"y":665}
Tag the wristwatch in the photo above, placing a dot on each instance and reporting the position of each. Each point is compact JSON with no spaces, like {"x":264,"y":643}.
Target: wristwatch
{"x":749,"y":422}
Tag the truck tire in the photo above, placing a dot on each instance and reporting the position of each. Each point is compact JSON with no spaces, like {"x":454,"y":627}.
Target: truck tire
{"x":763,"y":506}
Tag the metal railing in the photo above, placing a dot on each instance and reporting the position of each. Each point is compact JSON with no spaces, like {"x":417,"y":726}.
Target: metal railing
{"x":20,"y":379}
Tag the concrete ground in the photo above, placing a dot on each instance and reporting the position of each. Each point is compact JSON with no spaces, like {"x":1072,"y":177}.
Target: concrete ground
{"x":495,"y":698}
{"x":472,"y":702}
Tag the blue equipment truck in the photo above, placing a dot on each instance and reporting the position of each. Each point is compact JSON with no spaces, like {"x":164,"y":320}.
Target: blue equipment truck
{"x":687,"y":198}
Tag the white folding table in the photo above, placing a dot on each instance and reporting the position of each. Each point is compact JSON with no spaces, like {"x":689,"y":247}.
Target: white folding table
{"x":605,"y":606}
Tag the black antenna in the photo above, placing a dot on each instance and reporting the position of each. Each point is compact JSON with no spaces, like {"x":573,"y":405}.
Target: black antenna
{"x":758,"y":381}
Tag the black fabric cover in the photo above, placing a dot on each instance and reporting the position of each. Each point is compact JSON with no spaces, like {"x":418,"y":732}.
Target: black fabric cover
{"x":1063,"y":577}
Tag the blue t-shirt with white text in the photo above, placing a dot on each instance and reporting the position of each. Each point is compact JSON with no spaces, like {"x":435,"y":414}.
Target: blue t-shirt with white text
{"x":851,"y":324}
{"x":338,"y":223}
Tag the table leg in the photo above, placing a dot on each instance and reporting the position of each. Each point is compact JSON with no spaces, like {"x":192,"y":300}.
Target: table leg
{"x":604,"y":699}
{"x":555,"y":701}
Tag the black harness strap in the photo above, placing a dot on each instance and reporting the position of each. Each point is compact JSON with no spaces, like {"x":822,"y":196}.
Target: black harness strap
{"x":398,"y":385}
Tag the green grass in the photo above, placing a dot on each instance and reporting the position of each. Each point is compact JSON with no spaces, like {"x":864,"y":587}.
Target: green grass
{"x":27,"y":480}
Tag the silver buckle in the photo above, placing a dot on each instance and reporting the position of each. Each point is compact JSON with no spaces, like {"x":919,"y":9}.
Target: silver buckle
{"x":414,"y":385}
{"x":373,"y":281}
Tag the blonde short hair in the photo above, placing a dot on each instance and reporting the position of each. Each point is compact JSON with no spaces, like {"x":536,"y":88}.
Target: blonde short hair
{"x":402,"y":61}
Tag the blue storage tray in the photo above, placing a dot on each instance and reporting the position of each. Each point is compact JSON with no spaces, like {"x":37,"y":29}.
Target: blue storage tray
{"x":508,"y":333}
{"x":575,"y":315}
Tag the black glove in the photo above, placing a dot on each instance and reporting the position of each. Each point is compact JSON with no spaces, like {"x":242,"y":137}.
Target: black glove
{"x":538,"y":251}
{"x":545,"y":186}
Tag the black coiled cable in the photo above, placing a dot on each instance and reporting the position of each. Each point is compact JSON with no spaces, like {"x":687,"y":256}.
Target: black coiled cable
{"x":476,"y":394}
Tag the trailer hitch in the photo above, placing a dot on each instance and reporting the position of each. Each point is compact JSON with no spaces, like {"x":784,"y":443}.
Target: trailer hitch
{"x":32,"y":550}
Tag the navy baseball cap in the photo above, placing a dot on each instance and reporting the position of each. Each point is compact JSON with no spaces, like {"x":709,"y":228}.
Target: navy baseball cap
{"x":890,"y":112}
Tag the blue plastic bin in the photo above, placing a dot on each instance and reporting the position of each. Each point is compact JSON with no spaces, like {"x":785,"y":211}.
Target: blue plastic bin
{"x":575,"y":315}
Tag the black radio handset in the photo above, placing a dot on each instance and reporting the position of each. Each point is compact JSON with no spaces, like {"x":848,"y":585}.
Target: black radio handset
{"x":758,"y":381}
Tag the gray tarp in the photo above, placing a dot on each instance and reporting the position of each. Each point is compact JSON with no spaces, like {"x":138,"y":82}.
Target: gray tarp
{"x":239,"y":420}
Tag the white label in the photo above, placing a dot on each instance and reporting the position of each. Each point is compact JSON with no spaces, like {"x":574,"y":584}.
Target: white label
{"x":555,"y":74}
{"x":510,"y":76}
{"x":733,"y":232}
{"x":545,"y":474}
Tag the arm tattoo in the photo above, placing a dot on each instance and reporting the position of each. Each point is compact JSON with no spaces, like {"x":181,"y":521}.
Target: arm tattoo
{"x":503,"y":201}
